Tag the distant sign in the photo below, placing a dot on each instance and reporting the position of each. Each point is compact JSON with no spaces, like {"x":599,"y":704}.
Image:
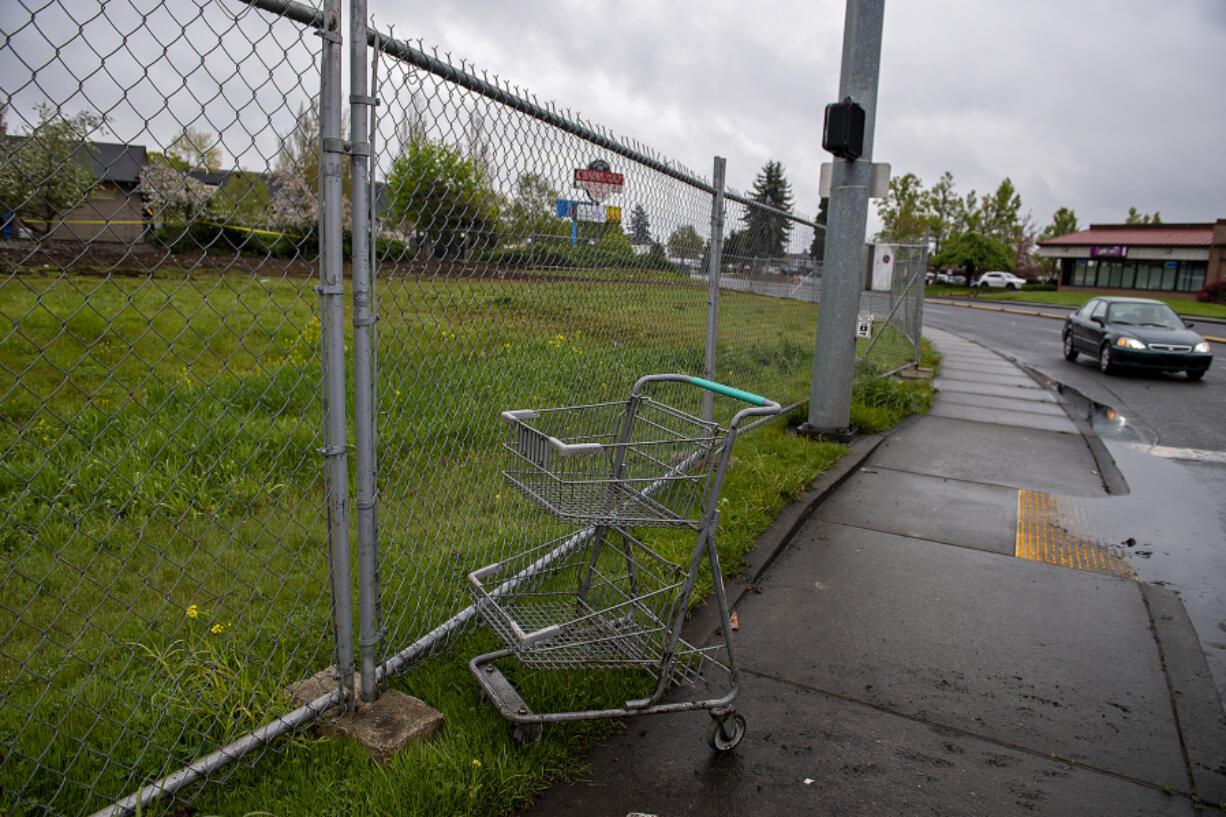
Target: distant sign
{"x":588,"y":211}
{"x":1108,"y":252}
{"x":599,"y":180}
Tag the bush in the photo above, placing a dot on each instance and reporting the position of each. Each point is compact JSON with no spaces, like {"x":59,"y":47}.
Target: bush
{"x":1036,"y":287}
{"x":209,"y":236}
{"x":1213,"y":294}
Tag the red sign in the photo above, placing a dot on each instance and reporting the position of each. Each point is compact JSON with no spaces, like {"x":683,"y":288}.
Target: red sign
{"x":599,"y":180}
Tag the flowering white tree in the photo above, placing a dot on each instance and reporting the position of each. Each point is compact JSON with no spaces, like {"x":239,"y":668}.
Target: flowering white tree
{"x":172,"y":195}
{"x":295,"y":204}
{"x":44,"y":174}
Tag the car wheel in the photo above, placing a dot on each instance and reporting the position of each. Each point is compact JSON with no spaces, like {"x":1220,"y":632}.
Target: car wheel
{"x":1012,"y":286}
{"x":1105,"y":365}
{"x":1070,"y":351}
{"x":1196,"y":374}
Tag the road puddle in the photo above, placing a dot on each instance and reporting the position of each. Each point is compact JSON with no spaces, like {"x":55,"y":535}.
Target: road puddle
{"x":1169,"y":526}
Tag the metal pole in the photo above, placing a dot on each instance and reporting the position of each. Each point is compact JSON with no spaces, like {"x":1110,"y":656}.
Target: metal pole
{"x":332,"y":294}
{"x":717,"y":245}
{"x":842,"y":277}
{"x":363,"y":365}
{"x":917,"y":314}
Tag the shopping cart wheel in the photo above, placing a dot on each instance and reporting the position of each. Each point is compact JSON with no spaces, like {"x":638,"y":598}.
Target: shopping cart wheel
{"x":525,"y":733}
{"x":724,"y":735}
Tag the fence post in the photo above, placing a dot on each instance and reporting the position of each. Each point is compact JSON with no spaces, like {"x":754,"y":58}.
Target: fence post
{"x":834,"y":354}
{"x":332,"y":294}
{"x":360,"y":106}
{"x":917,"y":314}
{"x":717,"y":245}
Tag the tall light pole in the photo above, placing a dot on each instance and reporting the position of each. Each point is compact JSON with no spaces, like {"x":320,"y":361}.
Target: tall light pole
{"x":834,"y":356}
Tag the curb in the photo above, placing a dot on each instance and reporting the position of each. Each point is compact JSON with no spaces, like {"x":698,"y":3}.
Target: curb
{"x":1032,"y":313}
{"x":1198,"y":711}
{"x":1110,"y":474}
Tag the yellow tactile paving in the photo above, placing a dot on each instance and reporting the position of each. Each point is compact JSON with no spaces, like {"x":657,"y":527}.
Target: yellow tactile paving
{"x":1049,"y":530}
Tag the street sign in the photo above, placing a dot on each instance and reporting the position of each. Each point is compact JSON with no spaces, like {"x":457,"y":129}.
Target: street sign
{"x":599,"y":180}
{"x":588,"y":211}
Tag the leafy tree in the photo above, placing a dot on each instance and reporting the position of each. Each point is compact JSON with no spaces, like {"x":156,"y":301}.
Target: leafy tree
{"x":532,"y":209}
{"x":244,"y":199}
{"x":1135,"y":217}
{"x":640,"y":228}
{"x":945,"y":209}
{"x":1000,"y":213}
{"x":445,"y":196}
{"x":768,"y":232}
{"x":817,"y":249}
{"x":46,"y":172}
{"x":975,"y":253}
{"x":685,"y":242}
{"x":197,"y":150}
{"x":1063,"y":222}
{"x":904,"y":211}
{"x":970,"y":217}
{"x":1026,"y":264}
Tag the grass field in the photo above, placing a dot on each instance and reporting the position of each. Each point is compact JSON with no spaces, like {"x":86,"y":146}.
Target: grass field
{"x":166,"y":559}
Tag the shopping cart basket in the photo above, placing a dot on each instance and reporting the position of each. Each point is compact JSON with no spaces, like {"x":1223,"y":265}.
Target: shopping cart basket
{"x":600,"y":598}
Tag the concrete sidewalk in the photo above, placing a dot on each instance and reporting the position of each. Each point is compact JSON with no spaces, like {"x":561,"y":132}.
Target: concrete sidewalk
{"x":899,"y":658}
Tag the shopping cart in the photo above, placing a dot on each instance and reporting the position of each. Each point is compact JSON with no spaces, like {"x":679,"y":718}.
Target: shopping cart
{"x":600,"y":598}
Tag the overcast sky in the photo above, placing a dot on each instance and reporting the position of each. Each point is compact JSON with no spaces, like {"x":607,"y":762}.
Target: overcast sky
{"x":1095,"y":104}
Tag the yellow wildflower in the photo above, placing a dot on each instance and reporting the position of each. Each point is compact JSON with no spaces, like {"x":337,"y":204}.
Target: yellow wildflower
{"x":193,"y":612}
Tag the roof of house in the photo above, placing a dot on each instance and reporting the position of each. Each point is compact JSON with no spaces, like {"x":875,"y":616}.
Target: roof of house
{"x":108,"y":161}
{"x":1134,"y":235}
{"x":112,"y":162}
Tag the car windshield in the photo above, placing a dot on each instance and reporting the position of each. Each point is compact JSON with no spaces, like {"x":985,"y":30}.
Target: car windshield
{"x":1159,"y":315}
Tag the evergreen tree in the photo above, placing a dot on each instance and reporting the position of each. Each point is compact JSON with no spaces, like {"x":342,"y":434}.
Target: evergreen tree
{"x":640,"y":227}
{"x":768,"y":232}
{"x":818,"y":248}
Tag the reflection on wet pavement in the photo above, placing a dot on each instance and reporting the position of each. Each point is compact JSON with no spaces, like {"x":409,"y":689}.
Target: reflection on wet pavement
{"x":1169,"y":526}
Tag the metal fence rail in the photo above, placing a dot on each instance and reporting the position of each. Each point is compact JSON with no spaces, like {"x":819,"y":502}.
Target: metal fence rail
{"x":181,"y":483}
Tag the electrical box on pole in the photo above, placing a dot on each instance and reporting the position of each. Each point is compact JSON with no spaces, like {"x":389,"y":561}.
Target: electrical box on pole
{"x":843,"y":129}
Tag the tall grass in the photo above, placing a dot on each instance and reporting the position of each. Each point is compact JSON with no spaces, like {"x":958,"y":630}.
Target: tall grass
{"x":165,"y":568}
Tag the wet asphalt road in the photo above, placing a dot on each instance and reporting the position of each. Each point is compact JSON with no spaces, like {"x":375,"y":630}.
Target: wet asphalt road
{"x":1168,"y":437}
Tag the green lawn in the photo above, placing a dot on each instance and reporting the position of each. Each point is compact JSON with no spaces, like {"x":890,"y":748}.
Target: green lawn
{"x":1183,"y":306}
{"x":165,"y":551}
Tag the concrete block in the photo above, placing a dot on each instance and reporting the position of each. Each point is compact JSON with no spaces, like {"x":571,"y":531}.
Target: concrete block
{"x":384,"y":727}
{"x":916,"y":373}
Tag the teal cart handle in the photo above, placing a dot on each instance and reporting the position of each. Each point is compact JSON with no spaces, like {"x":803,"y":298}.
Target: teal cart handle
{"x":728,"y":391}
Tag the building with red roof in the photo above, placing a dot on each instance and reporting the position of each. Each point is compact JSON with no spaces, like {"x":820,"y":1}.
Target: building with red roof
{"x":1176,"y":260}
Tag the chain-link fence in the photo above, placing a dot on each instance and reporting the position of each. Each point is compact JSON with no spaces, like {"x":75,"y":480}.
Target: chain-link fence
{"x":165,"y":561}
{"x":180,"y":477}
{"x":892,"y":310}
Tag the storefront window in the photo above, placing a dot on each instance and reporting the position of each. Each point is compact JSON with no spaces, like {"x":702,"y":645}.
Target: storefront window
{"x":1191,"y":276}
{"x":1169,"y":270}
{"x":1170,"y":276}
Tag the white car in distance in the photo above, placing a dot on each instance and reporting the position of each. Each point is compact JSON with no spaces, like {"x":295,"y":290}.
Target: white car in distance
{"x":1000,"y":280}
